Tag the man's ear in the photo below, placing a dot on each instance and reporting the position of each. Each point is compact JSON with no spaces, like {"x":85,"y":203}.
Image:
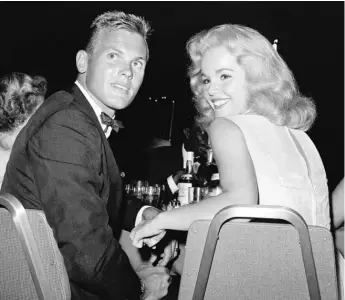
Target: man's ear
{"x":82,"y":60}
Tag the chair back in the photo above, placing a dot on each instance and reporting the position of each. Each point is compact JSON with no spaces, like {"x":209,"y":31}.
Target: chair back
{"x":258,"y":260}
{"x":31,"y":265}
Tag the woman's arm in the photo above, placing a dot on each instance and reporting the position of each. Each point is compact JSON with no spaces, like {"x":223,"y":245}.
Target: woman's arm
{"x":237,"y":178}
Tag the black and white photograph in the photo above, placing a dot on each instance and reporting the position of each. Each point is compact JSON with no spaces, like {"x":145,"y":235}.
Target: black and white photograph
{"x":172,"y":150}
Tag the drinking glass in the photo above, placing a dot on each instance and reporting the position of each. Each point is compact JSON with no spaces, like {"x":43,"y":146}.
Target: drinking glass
{"x":196,"y":194}
{"x":151,"y":196}
{"x":193,"y":195}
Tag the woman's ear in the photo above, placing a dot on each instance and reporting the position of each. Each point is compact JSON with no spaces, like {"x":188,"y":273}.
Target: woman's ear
{"x":81,"y":61}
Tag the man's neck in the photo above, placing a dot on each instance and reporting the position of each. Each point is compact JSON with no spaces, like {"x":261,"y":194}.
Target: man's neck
{"x":104,"y":108}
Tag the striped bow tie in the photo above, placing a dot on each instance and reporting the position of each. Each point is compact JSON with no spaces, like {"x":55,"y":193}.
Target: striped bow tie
{"x":115,"y":124}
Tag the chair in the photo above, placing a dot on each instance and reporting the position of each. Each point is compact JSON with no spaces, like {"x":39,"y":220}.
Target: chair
{"x":31,"y":265}
{"x":258,"y":260}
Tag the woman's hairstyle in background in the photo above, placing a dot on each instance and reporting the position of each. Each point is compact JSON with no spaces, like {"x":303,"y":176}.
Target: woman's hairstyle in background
{"x":20,"y":95}
{"x":272,"y":90}
{"x":114,"y":20}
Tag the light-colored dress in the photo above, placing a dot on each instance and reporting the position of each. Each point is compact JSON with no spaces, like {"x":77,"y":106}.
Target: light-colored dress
{"x":287,"y":174}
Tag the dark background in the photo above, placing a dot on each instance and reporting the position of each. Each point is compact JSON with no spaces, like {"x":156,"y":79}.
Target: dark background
{"x":44,"y":37}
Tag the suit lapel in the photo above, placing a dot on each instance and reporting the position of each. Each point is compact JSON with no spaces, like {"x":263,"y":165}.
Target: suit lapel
{"x":113,"y":170}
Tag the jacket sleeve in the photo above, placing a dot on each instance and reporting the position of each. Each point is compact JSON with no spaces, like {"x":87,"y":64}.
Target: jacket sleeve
{"x":66,"y":165}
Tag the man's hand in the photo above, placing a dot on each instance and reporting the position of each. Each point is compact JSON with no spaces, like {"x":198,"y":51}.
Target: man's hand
{"x":177,"y":175}
{"x":171,"y":251}
{"x":156,"y":281}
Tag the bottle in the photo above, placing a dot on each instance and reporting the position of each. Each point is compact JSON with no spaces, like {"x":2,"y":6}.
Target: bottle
{"x":206,"y":169}
{"x":186,"y":181}
{"x":188,"y":155}
{"x":214,"y":187}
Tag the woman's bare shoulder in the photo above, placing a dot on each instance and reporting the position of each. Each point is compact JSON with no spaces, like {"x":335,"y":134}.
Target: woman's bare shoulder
{"x":223,"y":127}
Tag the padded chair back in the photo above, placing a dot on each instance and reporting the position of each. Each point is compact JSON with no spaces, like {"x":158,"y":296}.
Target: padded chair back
{"x":256,"y":260}
{"x":31,"y":265}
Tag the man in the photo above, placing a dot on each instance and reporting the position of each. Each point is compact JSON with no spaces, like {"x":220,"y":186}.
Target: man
{"x":62,"y":164}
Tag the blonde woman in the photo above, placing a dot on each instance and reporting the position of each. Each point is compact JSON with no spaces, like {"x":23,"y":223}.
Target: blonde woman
{"x":256,"y":118}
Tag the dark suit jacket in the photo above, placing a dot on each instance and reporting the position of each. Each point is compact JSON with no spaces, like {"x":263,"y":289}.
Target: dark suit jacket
{"x":61,"y":163}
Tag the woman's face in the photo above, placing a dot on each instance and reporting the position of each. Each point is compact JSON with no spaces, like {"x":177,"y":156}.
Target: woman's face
{"x":224,"y":82}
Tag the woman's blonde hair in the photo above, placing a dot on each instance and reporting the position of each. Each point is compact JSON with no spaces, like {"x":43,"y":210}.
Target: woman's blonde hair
{"x":272,"y":89}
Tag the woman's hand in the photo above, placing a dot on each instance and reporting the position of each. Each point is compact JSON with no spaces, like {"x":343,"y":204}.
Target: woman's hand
{"x":147,"y":232}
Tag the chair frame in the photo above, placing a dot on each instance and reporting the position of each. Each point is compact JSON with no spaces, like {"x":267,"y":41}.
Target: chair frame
{"x":263,"y":212}
{"x":28,"y":243}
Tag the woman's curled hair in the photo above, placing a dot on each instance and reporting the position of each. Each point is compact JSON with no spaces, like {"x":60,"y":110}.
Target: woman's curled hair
{"x":272,"y":90}
{"x":20,"y":96}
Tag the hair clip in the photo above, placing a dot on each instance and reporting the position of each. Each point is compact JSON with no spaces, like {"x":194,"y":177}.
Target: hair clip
{"x":275,"y":44}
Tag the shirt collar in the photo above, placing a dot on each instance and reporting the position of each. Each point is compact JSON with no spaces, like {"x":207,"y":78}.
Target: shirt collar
{"x":95,"y":107}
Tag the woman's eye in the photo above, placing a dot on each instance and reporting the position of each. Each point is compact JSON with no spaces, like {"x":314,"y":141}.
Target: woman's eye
{"x":205,"y":81}
{"x":112,"y":55}
{"x":225,"y":76}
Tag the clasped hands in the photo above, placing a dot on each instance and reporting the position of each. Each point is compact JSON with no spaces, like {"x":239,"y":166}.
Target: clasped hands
{"x":147,"y":233}
{"x":156,"y":279}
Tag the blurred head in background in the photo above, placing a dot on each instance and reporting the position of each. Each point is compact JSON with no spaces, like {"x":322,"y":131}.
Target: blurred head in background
{"x":20,"y":96}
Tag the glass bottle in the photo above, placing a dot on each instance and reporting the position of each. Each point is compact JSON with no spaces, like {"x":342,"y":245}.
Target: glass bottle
{"x":186,"y":181}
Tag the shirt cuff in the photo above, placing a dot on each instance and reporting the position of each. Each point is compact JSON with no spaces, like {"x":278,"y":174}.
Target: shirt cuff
{"x":139,"y":217}
{"x":172,"y":185}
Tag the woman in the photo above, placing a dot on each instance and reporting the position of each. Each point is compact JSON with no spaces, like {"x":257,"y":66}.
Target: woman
{"x":20,"y":96}
{"x":256,"y":120}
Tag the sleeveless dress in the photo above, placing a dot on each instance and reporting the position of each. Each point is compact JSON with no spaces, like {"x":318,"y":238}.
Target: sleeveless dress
{"x":289,"y":172}
{"x":288,"y":168}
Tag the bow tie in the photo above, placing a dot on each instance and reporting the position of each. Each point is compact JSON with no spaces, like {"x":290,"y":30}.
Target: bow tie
{"x":115,"y":124}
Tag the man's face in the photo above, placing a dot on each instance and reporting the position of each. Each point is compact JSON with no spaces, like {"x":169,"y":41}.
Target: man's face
{"x":116,"y":69}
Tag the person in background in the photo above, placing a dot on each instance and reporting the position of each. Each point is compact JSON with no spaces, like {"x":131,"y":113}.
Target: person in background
{"x":256,"y":119}
{"x":20,"y":96}
{"x":165,"y":162}
{"x":68,"y":169}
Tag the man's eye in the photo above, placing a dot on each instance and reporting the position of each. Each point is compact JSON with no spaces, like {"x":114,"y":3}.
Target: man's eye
{"x":137,"y":64}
